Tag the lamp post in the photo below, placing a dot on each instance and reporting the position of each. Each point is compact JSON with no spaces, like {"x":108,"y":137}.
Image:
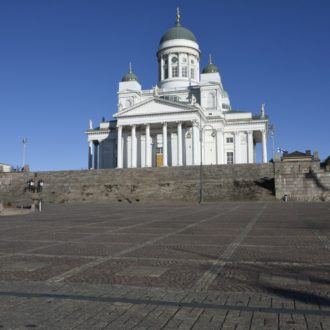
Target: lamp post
{"x":213,"y":134}
{"x":24,"y":141}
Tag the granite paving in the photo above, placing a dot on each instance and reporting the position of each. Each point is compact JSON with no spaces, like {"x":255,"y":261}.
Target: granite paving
{"x":123,"y":265}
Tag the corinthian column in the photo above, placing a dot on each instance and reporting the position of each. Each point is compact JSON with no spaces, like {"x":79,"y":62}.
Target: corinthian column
{"x":134,"y":146}
{"x":120,"y":147}
{"x":148,"y":146}
{"x":264,"y":146}
{"x":164,"y":144}
{"x":90,"y":155}
{"x":180,"y":144}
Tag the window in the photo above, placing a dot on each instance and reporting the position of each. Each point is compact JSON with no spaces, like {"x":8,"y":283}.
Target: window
{"x":184,"y":71}
{"x":166,"y":73}
{"x":175,"y":72}
{"x":230,"y":158}
{"x":192,"y":73}
{"x":229,"y":140}
{"x":225,"y":106}
{"x":184,"y":60}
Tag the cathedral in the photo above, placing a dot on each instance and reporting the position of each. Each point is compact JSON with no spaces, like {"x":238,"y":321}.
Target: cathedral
{"x":186,"y":119}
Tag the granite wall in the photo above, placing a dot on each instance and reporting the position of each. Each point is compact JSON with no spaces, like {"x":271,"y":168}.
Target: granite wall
{"x":219,"y":183}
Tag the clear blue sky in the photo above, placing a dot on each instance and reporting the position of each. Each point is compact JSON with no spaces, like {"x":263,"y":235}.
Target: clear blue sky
{"x":61,"y":61}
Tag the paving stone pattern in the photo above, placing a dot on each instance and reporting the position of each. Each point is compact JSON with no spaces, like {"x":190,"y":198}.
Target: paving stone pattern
{"x":167,"y":266}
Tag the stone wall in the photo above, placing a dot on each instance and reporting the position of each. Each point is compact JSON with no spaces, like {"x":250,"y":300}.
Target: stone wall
{"x":219,"y":183}
{"x":302,"y":181}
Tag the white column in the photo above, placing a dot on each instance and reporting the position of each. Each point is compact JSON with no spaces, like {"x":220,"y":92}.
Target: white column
{"x":100,"y":151}
{"x":134,"y":146}
{"x":250,"y":147}
{"x":220,"y":148}
{"x":264,"y":146}
{"x":161,"y":68}
{"x":119,"y":147}
{"x":237,"y":159}
{"x":90,"y":155}
{"x":196,"y":144}
{"x":164,"y":144}
{"x":169,"y":65}
{"x":148,"y":146}
{"x":180,"y":163}
{"x":96,"y":155}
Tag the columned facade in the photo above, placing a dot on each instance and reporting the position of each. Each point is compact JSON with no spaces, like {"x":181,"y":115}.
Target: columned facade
{"x":184,"y":148}
{"x":185,"y":120}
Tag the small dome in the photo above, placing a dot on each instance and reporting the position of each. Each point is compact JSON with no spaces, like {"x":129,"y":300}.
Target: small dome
{"x":178,"y":32}
{"x":210,"y":68}
{"x":130,"y":76}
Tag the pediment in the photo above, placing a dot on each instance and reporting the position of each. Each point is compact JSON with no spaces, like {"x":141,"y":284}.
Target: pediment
{"x":155,"y":106}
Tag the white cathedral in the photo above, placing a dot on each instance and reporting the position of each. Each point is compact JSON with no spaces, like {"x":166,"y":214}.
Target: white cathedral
{"x":186,"y":119}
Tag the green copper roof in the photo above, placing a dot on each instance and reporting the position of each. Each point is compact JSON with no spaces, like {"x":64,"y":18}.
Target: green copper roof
{"x":130,"y":76}
{"x":178,"y":32}
{"x":210,"y":68}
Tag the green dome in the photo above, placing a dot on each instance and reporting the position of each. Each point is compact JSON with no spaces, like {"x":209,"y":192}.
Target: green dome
{"x":178,"y":32}
{"x":210,"y":68}
{"x":130,"y":76}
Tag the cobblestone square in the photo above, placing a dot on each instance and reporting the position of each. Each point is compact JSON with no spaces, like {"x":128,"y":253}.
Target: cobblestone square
{"x":167,"y":266}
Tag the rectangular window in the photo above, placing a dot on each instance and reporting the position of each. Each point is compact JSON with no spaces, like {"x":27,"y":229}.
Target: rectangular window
{"x":165,"y":73}
{"x":175,"y":72}
{"x":192,"y":73}
{"x":230,"y":158}
{"x":184,"y":71}
{"x":229,"y":140}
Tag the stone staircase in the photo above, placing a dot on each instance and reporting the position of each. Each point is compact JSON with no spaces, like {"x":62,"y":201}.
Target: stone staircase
{"x":219,"y":183}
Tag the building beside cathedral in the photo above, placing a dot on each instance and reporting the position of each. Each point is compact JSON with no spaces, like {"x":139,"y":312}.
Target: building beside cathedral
{"x":185,"y":120}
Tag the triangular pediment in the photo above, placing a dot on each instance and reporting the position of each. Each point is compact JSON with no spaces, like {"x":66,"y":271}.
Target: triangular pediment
{"x":155,"y":106}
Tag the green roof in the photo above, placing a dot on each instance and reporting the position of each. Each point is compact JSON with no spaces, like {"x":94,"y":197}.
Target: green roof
{"x":178,"y":32}
{"x":210,"y":68}
{"x":130,"y":76}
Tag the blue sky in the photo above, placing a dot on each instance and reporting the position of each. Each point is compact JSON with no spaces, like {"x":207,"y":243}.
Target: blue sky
{"x":61,"y":61}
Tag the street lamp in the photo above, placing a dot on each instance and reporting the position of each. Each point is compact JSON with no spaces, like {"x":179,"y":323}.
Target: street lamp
{"x":24,"y":141}
{"x":213,"y":134}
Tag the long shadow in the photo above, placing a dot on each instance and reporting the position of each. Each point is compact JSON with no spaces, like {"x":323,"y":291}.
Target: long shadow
{"x":313,"y":176}
{"x":266,"y":183}
{"x":305,"y":297}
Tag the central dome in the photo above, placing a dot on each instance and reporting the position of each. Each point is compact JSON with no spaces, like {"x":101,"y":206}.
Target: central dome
{"x":178,"y":32}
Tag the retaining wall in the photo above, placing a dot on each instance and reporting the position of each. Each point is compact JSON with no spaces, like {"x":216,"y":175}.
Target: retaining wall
{"x":219,"y":183}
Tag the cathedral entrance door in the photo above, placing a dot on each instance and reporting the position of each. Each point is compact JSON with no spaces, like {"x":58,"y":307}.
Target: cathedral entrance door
{"x":159,"y":160}
{"x":159,"y":157}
